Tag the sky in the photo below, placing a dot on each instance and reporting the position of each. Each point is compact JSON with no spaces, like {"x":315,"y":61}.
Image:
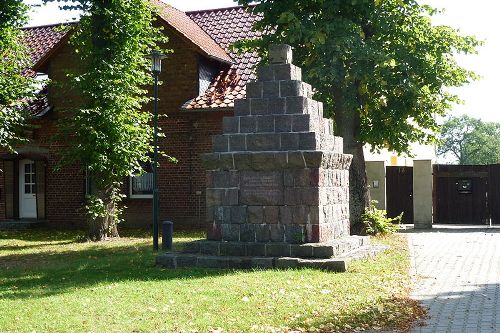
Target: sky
{"x":471,"y":17}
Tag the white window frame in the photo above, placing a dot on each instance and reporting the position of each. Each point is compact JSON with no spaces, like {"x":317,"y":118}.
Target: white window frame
{"x":137,"y":196}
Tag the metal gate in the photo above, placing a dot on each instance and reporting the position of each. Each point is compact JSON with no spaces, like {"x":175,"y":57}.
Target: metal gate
{"x":466,"y":194}
{"x":399,"y":193}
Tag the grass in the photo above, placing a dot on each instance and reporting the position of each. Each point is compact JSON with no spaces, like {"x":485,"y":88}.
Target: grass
{"x":52,"y":282}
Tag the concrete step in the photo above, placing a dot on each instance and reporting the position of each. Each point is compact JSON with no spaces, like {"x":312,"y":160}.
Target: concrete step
{"x":331,"y":249}
{"x":176,"y":260}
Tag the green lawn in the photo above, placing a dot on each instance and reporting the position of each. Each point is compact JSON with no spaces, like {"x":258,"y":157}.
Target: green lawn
{"x":51,"y":282}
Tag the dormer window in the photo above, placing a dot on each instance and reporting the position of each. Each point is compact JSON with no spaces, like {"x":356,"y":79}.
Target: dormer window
{"x":207,"y":71}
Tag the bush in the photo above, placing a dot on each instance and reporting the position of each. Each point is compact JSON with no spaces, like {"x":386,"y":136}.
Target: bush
{"x":376,"y":221}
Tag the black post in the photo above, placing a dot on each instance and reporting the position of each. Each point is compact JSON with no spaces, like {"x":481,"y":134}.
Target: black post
{"x":167,"y":235}
{"x":155,"y":166}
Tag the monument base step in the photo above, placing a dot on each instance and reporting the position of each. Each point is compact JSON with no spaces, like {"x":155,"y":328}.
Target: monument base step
{"x":179,"y":260}
{"x":335,"y":248}
{"x":22,"y":225}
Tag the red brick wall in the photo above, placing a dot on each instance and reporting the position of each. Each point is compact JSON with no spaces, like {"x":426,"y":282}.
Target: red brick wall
{"x":188,"y":135}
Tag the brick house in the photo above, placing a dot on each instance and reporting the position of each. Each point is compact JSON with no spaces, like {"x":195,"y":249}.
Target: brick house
{"x":202,"y":78}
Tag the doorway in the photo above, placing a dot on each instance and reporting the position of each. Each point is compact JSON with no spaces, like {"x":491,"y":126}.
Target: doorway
{"x":27,"y":189}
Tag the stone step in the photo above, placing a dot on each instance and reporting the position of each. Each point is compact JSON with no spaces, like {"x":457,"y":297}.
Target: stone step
{"x":277,"y":106}
{"x":331,"y":249}
{"x":278,"y":89}
{"x":176,"y":260}
{"x":21,"y":225}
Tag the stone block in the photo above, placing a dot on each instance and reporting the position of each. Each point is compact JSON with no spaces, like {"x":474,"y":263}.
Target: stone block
{"x":262,"y":233}
{"x":277,"y":250}
{"x":271,"y":89}
{"x":238,"y":214}
{"x":265,"y":124}
{"x":232,"y":249}
{"x":277,"y":233}
{"x":286,"y":263}
{"x":224,"y":179}
{"x":247,"y":233}
{"x":243,"y":161}
{"x":237,"y":142}
{"x":210,"y":248}
{"x":231,"y":125}
{"x":261,"y":188}
{"x":214,"y":232}
{"x":241,"y":107}
{"x":248,"y":124}
{"x":289,"y":141}
{"x":271,"y":214}
{"x":280,"y":54}
{"x":256,"y":249}
{"x":167,"y":260}
{"x":222,"y":214}
{"x":265,"y":73}
{"x":296,"y":160}
{"x":259,"y":106}
{"x":264,"y":263}
{"x":230,"y":197}
{"x":313,"y":159}
{"x":297,"y":105}
{"x":309,"y":196}
{"x":191,"y":247}
{"x":220,"y":143}
{"x":301,"y":251}
{"x":226,"y":161}
{"x":323,"y":251}
{"x":255,"y":214}
{"x":277,"y":105}
{"x":263,"y":142}
{"x":292,"y":196}
{"x":186,"y":261}
{"x":283,"y":123}
{"x":254,"y":89}
{"x":214,"y":197}
{"x":231,"y":232}
{"x":292,"y":88}
{"x":287,"y":72}
{"x":210,"y":161}
{"x":307,"y":141}
{"x":286,"y":216}
{"x":301,"y":123}
{"x":265,"y":161}
{"x":295,"y":234}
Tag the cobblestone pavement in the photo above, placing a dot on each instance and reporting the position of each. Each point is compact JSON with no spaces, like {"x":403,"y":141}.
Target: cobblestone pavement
{"x":457,"y":278}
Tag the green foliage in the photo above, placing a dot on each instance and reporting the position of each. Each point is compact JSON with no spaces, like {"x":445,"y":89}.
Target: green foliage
{"x":109,"y":133}
{"x":470,"y":141}
{"x":15,"y":86}
{"x":376,"y":221}
{"x":382,"y":61}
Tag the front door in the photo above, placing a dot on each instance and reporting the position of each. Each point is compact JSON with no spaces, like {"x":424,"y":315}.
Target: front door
{"x":27,"y":189}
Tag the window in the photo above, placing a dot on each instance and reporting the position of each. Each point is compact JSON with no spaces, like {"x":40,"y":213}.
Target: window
{"x":207,"y":71}
{"x":141,"y":186}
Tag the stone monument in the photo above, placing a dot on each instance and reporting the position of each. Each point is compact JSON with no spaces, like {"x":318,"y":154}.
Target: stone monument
{"x":277,"y":181}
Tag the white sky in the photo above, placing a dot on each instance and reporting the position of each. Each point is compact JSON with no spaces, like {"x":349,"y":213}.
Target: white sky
{"x":473,"y":18}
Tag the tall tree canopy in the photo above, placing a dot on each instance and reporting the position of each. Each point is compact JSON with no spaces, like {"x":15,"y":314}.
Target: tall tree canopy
{"x":470,"y":141}
{"x":15,"y":86}
{"x":109,"y":133}
{"x":380,"y":67}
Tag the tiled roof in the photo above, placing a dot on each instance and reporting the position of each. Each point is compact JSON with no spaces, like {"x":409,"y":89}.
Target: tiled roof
{"x":226,"y":26}
{"x":186,"y":27}
{"x":213,"y":31}
{"x":42,"y":40}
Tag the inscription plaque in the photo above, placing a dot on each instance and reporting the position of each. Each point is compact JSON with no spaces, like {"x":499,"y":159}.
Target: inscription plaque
{"x":261,"y":188}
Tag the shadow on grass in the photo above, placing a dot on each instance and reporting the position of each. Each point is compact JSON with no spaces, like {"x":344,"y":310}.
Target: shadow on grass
{"x":28,"y":275}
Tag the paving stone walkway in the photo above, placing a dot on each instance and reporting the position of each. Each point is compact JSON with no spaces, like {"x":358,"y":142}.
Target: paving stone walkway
{"x":458,"y":278}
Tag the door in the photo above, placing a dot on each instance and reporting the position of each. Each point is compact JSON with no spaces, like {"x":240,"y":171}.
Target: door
{"x":27,"y":189}
{"x":399,"y":192}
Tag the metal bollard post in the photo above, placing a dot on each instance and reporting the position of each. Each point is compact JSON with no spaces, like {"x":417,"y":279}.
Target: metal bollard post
{"x":166,"y":235}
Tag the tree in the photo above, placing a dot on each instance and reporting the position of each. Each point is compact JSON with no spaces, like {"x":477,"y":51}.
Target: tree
{"x":108,"y":133}
{"x":380,"y":68}
{"x":16,"y":86}
{"x":470,"y":141}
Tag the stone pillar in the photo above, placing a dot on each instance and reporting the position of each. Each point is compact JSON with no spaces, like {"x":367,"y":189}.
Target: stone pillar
{"x":422,"y":194}
{"x":278,"y":173}
{"x":375,"y":171}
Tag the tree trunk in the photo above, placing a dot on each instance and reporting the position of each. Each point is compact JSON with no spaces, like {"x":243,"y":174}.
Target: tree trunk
{"x":104,"y":227}
{"x":348,"y":124}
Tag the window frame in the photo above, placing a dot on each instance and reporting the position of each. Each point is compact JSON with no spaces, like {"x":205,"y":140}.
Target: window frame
{"x":131,"y":195}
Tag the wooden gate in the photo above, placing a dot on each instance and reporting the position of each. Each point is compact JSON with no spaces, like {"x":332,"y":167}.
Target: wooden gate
{"x":399,"y":192}
{"x":466,"y":194}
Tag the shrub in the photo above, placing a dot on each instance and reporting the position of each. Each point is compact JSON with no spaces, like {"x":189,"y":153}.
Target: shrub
{"x":376,"y":221}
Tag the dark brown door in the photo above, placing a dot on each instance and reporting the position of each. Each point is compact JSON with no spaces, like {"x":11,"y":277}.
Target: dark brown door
{"x":494,"y":193}
{"x":461,"y":194}
{"x":399,"y":192}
